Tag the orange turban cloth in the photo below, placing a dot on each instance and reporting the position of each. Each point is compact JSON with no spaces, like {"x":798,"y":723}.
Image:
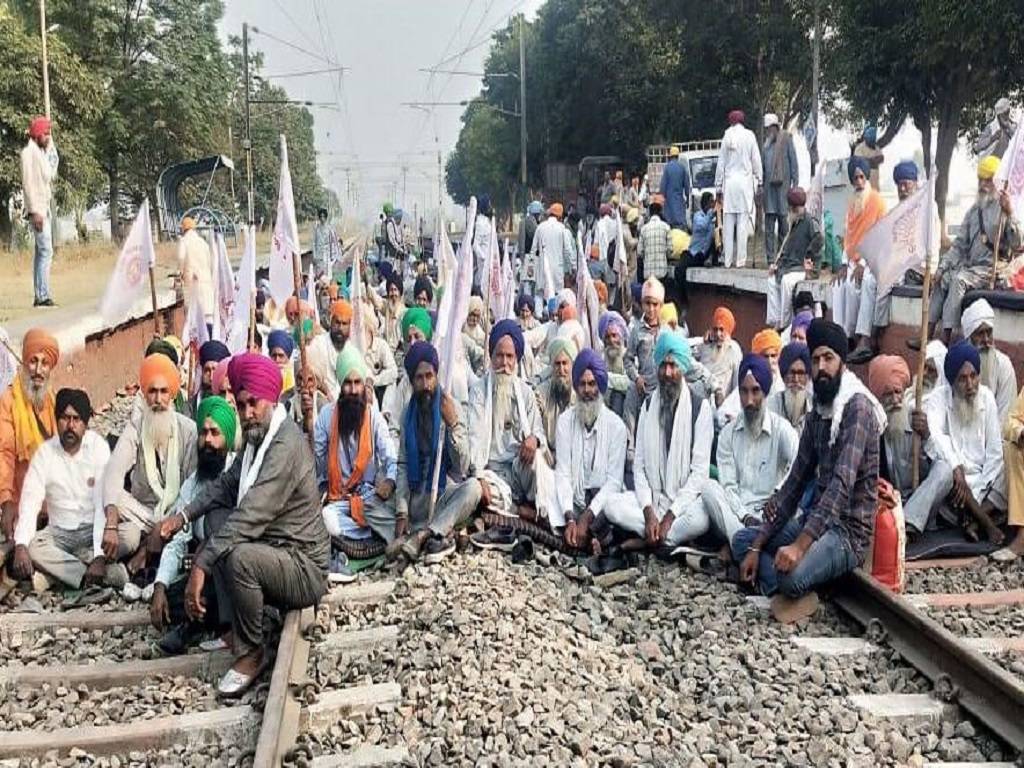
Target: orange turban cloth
{"x":341,"y":310}
{"x":602,"y":291}
{"x":568,"y":312}
{"x":887,"y":373}
{"x":37,"y":340}
{"x":766,"y":341}
{"x":723,"y":318}
{"x":556,"y":210}
{"x":159,"y":366}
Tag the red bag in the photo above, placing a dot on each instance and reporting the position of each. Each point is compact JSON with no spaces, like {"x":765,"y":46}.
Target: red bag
{"x":886,"y":558}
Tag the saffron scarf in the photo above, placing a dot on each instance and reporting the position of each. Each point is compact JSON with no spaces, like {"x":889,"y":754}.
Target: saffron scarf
{"x":347,"y":489}
{"x":858,"y":225}
{"x":417,"y":477}
{"x":30,"y":428}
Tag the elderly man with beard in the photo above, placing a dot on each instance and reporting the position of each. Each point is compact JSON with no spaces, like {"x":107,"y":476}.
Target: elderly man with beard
{"x":157,"y":451}
{"x":768,"y":345}
{"x":429,"y":410}
{"x":324,"y":349}
{"x":799,"y":253}
{"x":673,"y":456}
{"x":612,"y":330}
{"x":27,"y":420}
{"x":210,"y":354}
{"x":889,"y":381}
{"x":963,"y":430}
{"x":356,"y":463}
{"x":793,"y":402}
{"x":865,"y":209}
{"x":968,"y":263}
{"x":272,"y":549}
{"x":217,"y":423}
{"x":556,"y":395}
{"x":590,"y":444}
{"x":754,"y":455}
{"x":507,"y":438}
{"x":979,"y":322}
{"x":64,"y":475}
{"x":416,"y":327}
{"x":791,"y":553}
{"x":721,"y":354}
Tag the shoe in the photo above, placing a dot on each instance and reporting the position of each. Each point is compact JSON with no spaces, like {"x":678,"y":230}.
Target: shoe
{"x":437,"y":549}
{"x":789,"y":610}
{"x":46,"y":303}
{"x":216,"y":644}
{"x":234,"y":684}
{"x":522,"y":551}
{"x":131,"y":593}
{"x":177,"y":640}
{"x":411,"y":547}
{"x":501,"y":538}
{"x":116,"y":575}
{"x":94,"y":595}
{"x":860,"y":356}
{"x":40,"y":582}
{"x":1004,"y":555}
{"x":340,"y":572}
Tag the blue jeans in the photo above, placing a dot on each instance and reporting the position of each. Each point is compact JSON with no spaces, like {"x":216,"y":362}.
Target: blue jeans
{"x":41,"y":262}
{"x":827,"y":559}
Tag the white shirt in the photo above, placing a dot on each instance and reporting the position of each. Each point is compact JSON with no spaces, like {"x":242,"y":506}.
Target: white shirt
{"x":196,"y":265}
{"x":722,"y":364}
{"x":71,"y":487}
{"x":553,"y":244}
{"x":1003,"y":383}
{"x":751,"y":467}
{"x":588,"y":460}
{"x":976,"y":446}
{"x":739,"y":169}
{"x":38,"y":170}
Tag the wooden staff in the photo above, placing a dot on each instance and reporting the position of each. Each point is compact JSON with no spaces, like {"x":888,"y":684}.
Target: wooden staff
{"x":8,"y":347}
{"x":252,"y":321}
{"x":926,"y":294}
{"x":307,"y":418}
{"x":152,"y":296}
{"x":193,"y":350}
{"x":999,"y":237}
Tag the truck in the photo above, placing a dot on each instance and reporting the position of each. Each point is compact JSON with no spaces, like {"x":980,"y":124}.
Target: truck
{"x":701,"y":158}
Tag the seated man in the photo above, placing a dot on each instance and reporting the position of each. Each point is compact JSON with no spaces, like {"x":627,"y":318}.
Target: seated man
{"x":793,"y":552}
{"x":793,"y":402}
{"x":767,"y":344}
{"x":590,"y":446}
{"x":963,"y":430}
{"x":417,"y":451}
{"x":754,"y":455}
{"x":324,"y":349}
{"x":157,"y":451}
{"x":272,"y":549}
{"x":673,"y":456}
{"x":640,"y":350}
{"x":555,"y":395}
{"x":356,"y":464}
{"x":416,"y":326}
{"x":308,"y":395}
{"x":280,"y":349}
{"x":721,"y":354}
{"x":65,"y":476}
{"x":800,"y":253}
{"x":612,"y":330}
{"x":979,"y":322}
{"x":210,"y":354}
{"x":217,"y":424}
{"x":934,"y":362}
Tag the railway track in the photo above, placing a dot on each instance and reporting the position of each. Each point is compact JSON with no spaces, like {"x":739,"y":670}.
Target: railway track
{"x":110,"y":696}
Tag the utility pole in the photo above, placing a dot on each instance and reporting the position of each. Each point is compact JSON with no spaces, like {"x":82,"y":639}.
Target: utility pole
{"x":815,"y":84}
{"x":440,"y":194}
{"x":522,"y":108}
{"x":46,"y":65}
{"x":405,"y":172}
{"x":247,"y":142}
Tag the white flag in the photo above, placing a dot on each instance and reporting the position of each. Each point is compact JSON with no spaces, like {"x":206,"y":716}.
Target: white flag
{"x":444,"y":255}
{"x":1011,"y":170}
{"x":128,"y":280}
{"x":621,"y":260}
{"x":357,"y":333}
{"x":815,"y":205}
{"x":508,"y":287}
{"x":587,"y":304}
{"x":223,"y":290}
{"x":8,"y":363}
{"x":900,"y":240}
{"x":193,"y":336}
{"x":245,"y":293}
{"x":490,"y":282}
{"x":285,"y":243}
{"x":454,"y":309}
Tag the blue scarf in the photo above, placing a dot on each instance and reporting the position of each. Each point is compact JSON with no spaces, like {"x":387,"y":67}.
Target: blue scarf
{"x":419,"y":481}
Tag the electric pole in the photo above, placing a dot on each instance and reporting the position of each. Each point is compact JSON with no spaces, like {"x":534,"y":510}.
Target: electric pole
{"x":815,"y":85}
{"x":247,"y":142}
{"x":46,"y":65}
{"x":522,"y":108}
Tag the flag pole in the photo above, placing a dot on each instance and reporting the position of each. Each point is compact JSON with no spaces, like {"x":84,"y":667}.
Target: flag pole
{"x":999,"y":238}
{"x":152,"y":296}
{"x":307,"y":418}
{"x":8,"y":347}
{"x":926,"y":291}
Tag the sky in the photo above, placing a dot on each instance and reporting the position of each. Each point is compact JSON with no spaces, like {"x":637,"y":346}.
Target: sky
{"x":364,"y":134}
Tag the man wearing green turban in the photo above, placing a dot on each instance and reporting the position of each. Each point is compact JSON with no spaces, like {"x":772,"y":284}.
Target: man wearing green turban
{"x":419,"y":319}
{"x":217,"y":424}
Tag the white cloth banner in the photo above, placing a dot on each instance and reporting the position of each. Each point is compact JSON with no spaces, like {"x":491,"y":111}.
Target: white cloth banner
{"x":454,"y":309}
{"x":285,"y":243}
{"x":901,"y":240}
{"x":357,"y":332}
{"x":1011,"y":171}
{"x":128,"y":281}
{"x":223,"y":290}
{"x":245,"y":293}
{"x":193,"y":336}
{"x":8,"y":363}
{"x":508,"y":287}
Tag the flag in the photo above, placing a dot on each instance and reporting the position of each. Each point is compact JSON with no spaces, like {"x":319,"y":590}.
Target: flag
{"x":285,"y":243}
{"x":492,"y":287}
{"x":8,"y":363}
{"x":587,"y":305}
{"x":357,"y":332}
{"x":128,"y":281}
{"x":508,"y":287}
{"x":245,"y":294}
{"x":454,"y":309}
{"x":900,"y":240}
{"x":193,"y":336}
{"x":444,"y":255}
{"x":1011,"y":170}
{"x":815,"y":205}
{"x":223,"y":290}
{"x":621,"y":259}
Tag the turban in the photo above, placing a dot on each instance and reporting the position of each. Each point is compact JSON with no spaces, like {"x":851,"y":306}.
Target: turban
{"x":905,"y":171}
{"x":420,"y":352}
{"x":796,"y":197}
{"x":213,"y":351}
{"x":674,"y":344}
{"x":604,"y":210}
{"x":39,"y":127}
{"x":886,"y":373}
{"x":736,"y":116}
{"x":483,"y":204}
{"x":987,"y":168}
{"x":524,"y":302}
{"x":398,"y":213}
{"x":422,"y":285}
{"x":653,"y":289}
{"x":802,"y":320}
{"x":795,"y":350}
{"x":476,"y":304}
{"x":223,"y":415}
{"x":636,"y":290}
{"x":766,"y":341}
{"x":280,"y":340}
{"x":568,"y":312}
{"x":770,"y":119}
{"x":556,"y":210}
{"x":560,"y":345}
{"x":1002,"y":106}
{"x":724,"y":318}
{"x":858,"y":163}
{"x":510,"y":328}
{"x":936,"y":352}
{"x":658,"y":199}
{"x":979,"y":313}
{"x":668,"y":314}
{"x":391,"y":277}
{"x":156,"y":365}
{"x":961,"y":352}
{"x":825,"y":333}
{"x":632,"y":215}
{"x":612,"y":319}
{"x":188,"y":223}
{"x":870,"y":135}
{"x":220,"y":375}
{"x":673,"y":151}
{"x":77,"y":399}
{"x":341,"y":311}
{"x":370,"y":321}
{"x":567,"y":296}
{"x":307,"y":331}
{"x":758,"y":366}
{"x":572,"y":330}
{"x":589,"y":360}
{"x":350,"y":360}
{"x":535,"y":208}
{"x":257,"y":375}
{"x":163,"y":347}
{"x":419,"y":317}
{"x":388,"y":209}
{"x":601,"y":288}
{"x":179,"y":348}
{"x":261,"y":299}
{"x":37,"y":340}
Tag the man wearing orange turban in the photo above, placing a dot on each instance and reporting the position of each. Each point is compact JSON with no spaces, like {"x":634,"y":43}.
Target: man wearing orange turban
{"x":157,"y":451}
{"x":323,"y":350}
{"x":720,"y":353}
{"x":26,"y":419}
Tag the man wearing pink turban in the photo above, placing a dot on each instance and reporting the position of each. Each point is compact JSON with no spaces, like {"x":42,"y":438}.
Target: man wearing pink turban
{"x":737,"y":176}
{"x":38,"y":170}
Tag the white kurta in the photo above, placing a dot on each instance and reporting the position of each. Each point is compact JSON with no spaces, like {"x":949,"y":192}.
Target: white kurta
{"x":588,"y":460}
{"x":739,"y":170}
{"x":976,"y":446}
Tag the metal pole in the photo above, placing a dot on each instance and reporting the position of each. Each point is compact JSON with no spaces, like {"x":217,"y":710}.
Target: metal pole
{"x":816,"y":84}
{"x":46,"y":65}
{"x":247,"y":142}
{"x":522,"y":106}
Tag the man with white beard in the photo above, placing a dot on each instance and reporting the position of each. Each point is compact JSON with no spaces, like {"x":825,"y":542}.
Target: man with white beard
{"x":555,"y":395}
{"x":612,"y":330}
{"x":672,"y":457}
{"x":793,"y":402}
{"x":158,"y":451}
{"x":720,"y":353}
{"x":934,"y":361}
{"x":979,"y":323}
{"x":754,"y":455}
{"x":889,"y":381}
{"x":963,"y":430}
{"x":591,"y":448}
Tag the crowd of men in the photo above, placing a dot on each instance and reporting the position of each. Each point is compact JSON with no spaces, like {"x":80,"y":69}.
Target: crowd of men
{"x":283,"y":472}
